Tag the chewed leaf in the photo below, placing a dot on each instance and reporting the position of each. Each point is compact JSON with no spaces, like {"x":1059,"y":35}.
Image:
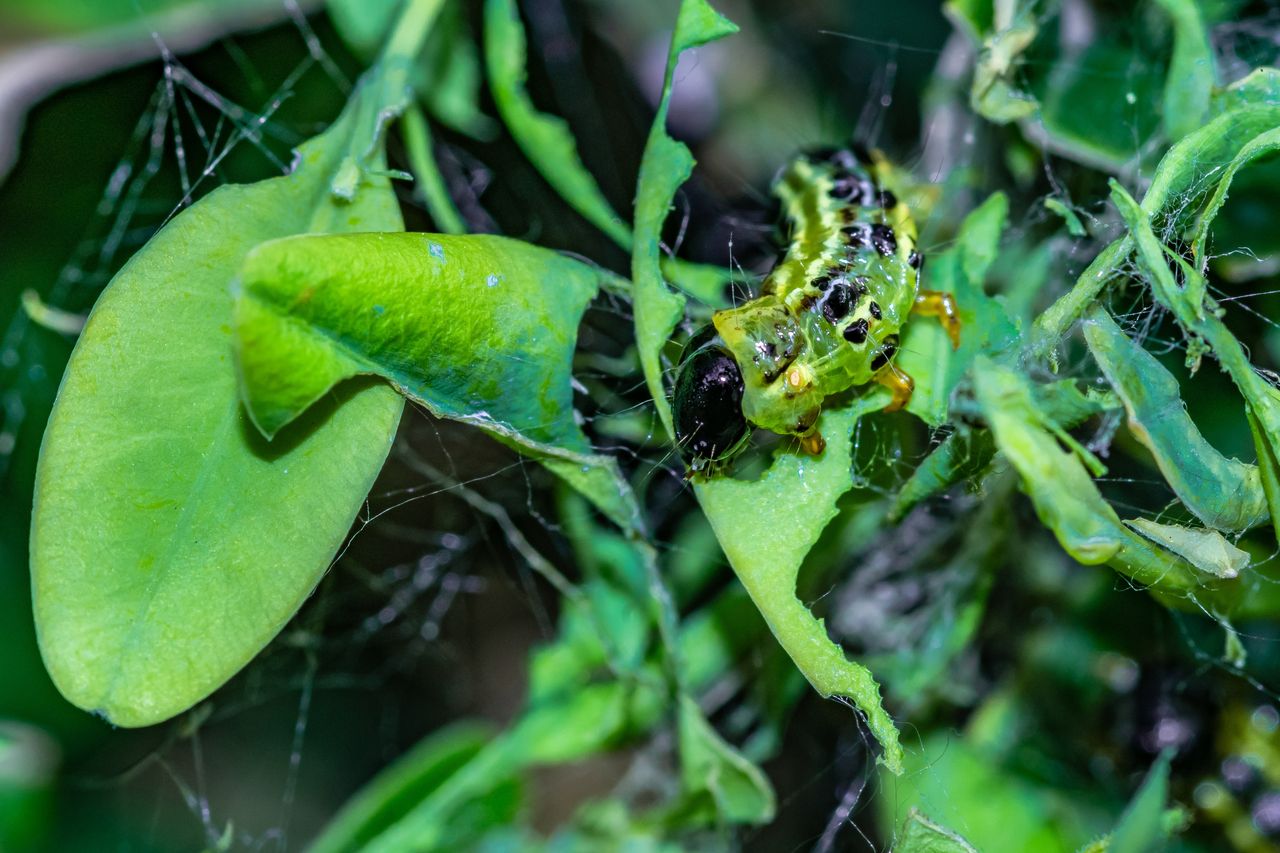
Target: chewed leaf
{"x":1065,"y":497}
{"x":1207,"y":550}
{"x":796,"y":498}
{"x":170,"y":541}
{"x":666,"y":165}
{"x":479,"y":329}
{"x":1223,"y":493}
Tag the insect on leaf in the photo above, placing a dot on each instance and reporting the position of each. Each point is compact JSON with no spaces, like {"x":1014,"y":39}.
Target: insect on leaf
{"x":479,"y":329}
{"x":171,"y":541}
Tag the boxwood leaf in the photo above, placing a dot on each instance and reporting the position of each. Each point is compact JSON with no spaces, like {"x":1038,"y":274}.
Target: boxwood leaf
{"x":170,"y":541}
{"x":798,"y":493}
{"x":479,"y":329}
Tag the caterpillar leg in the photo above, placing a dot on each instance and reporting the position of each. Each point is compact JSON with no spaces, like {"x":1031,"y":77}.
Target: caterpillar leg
{"x":936,"y":303}
{"x":899,"y":383}
{"x":813,"y":443}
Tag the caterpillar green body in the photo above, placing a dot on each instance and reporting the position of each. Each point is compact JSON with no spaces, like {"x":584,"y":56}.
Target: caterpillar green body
{"x":827,"y":318}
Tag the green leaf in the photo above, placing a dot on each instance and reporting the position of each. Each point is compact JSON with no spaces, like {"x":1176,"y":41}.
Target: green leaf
{"x":547,"y":142}
{"x":1207,"y":550}
{"x":567,"y":728}
{"x":666,"y":165}
{"x":429,"y":183}
{"x":1093,"y":105}
{"x":479,"y":329}
{"x":921,"y":835}
{"x":1059,"y":485}
{"x":543,"y":138}
{"x":926,"y":352}
{"x":738,"y":789}
{"x":1143,"y":828}
{"x":1224,"y":493}
{"x":411,"y":778}
{"x":446,"y":71}
{"x":1188,"y":172}
{"x":170,"y":542}
{"x":1074,"y":226}
{"x":798,"y":495}
{"x":1199,"y":317}
{"x":1190,"y":80}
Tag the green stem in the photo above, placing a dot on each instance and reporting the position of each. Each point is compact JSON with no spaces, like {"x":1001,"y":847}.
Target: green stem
{"x":410,"y":32}
{"x":430,"y":183}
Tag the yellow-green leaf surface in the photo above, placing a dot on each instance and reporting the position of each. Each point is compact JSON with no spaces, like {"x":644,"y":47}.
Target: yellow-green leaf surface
{"x":767,"y":526}
{"x":480,"y":329}
{"x":170,"y":541}
{"x":665,"y":166}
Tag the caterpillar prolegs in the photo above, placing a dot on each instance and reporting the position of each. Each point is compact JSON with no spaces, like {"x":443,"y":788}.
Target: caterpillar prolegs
{"x":827,"y":318}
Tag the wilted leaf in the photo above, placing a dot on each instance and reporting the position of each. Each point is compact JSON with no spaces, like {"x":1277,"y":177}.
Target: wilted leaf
{"x":1207,"y":550}
{"x":1058,"y":483}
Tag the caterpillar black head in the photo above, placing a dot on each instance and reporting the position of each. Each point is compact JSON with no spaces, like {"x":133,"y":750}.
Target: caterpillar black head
{"x":707,"y":404}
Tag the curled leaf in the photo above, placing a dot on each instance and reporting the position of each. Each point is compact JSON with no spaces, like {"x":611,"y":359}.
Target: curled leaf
{"x":479,"y":329}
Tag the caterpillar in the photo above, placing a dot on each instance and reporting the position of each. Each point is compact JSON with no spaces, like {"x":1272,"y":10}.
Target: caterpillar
{"x":827,"y":319}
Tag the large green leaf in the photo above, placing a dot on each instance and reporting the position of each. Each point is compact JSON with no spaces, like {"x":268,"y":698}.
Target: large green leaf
{"x":170,"y":541}
{"x":480,"y":329}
